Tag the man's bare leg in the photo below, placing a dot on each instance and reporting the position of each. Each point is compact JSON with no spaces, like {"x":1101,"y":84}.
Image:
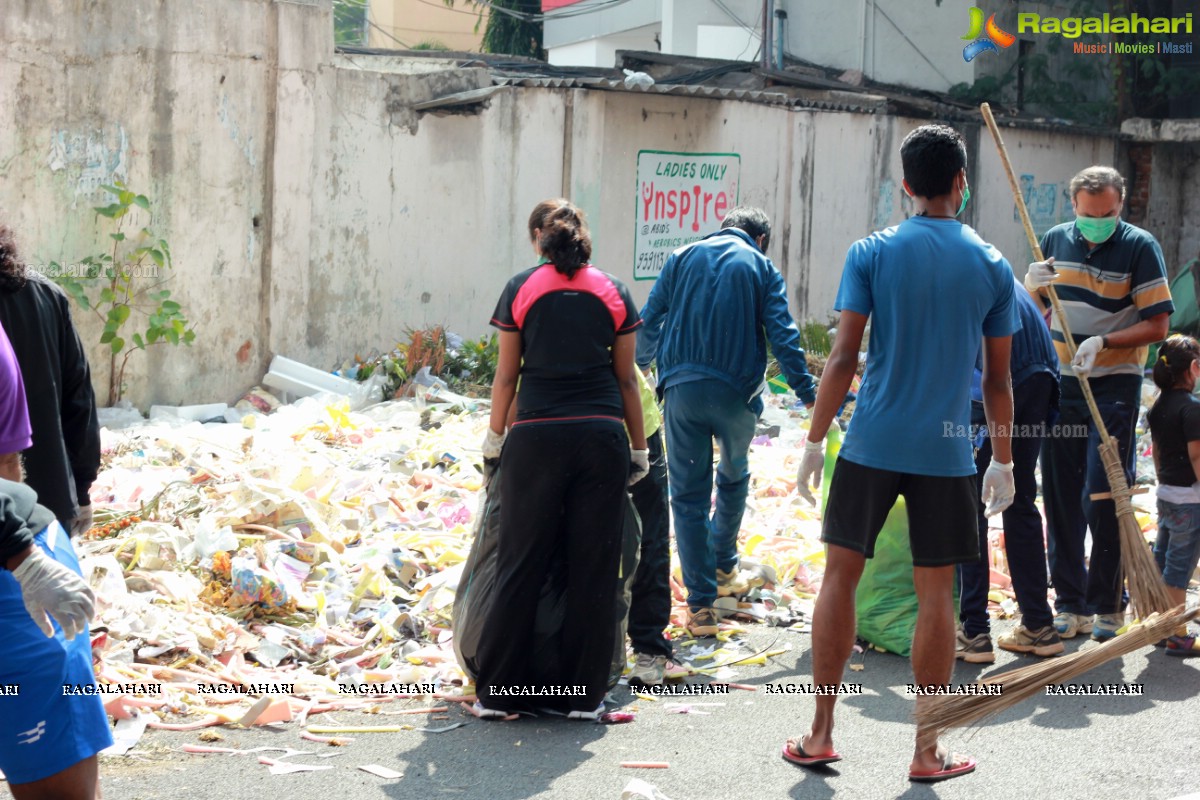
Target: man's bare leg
{"x":80,"y":781}
{"x":832,"y":640}
{"x":932,"y":651}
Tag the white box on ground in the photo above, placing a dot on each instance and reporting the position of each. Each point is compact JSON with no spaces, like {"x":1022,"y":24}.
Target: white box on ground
{"x":301,"y":380}
{"x":197,"y":413}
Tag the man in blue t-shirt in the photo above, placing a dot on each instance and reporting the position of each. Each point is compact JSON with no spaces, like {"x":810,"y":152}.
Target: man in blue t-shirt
{"x":934,"y":293}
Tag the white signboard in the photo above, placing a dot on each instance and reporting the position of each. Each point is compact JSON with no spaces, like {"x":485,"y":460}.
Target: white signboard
{"x":681,"y":197}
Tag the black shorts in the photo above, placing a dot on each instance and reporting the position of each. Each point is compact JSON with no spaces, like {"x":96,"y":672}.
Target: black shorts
{"x":943,"y":524}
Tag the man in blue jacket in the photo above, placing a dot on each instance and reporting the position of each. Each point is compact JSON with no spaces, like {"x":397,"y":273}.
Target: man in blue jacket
{"x":716,"y":304}
{"x":1034,"y":367}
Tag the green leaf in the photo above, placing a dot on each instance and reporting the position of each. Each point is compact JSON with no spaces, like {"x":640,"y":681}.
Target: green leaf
{"x":126,"y":198}
{"x":189,"y":336}
{"x":139,"y":342}
{"x":113,"y":190}
{"x":117,"y":344}
{"x":157,"y":256}
{"x":164,"y":294}
{"x":106,"y":295}
{"x":117,"y":237}
{"x":121,"y":313}
{"x":110,"y":211}
{"x":141,"y":201}
{"x":171,"y":307}
{"x":107,"y":336}
{"x":153,"y":335}
{"x":171,"y":335}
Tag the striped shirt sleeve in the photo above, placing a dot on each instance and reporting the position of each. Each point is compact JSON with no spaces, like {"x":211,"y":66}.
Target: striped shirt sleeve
{"x":1148,"y":285}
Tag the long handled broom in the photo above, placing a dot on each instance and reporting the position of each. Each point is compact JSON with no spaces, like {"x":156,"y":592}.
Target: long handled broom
{"x":1146,"y":589}
{"x":1147,"y":592}
{"x":938,"y":714}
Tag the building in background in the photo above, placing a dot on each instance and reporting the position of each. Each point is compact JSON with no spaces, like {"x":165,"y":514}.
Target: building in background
{"x":918,"y":44}
{"x":425,"y":24}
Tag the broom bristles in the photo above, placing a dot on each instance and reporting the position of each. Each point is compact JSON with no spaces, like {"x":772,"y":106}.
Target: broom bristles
{"x":1147,"y":592}
{"x":938,"y":714}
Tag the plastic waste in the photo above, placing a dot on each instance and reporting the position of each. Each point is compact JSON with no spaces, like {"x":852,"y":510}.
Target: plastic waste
{"x":254,"y":585}
{"x":637,"y":80}
{"x":122,"y":415}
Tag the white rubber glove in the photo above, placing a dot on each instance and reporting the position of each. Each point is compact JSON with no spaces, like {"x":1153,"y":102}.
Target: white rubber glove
{"x":50,"y":589}
{"x":83,"y":521}
{"x":999,"y":488}
{"x":651,"y":378}
{"x":1041,"y":273}
{"x":492,"y":444}
{"x":812,"y":467}
{"x":1085,"y":355}
{"x":639,"y":465}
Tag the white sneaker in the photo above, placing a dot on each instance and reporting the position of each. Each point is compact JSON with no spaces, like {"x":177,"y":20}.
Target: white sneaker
{"x":587,"y":715}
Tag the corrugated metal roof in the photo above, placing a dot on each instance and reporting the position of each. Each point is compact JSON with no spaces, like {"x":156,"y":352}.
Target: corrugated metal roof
{"x":826,"y":101}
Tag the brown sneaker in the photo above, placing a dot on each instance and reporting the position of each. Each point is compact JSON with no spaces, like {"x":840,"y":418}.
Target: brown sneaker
{"x":1042,"y":642}
{"x":976,"y":650}
{"x":702,"y":622}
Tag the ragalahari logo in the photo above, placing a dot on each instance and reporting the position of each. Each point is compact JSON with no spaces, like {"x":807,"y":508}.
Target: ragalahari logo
{"x":992,"y":35}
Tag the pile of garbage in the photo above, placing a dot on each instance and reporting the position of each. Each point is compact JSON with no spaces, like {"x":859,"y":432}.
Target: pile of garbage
{"x":279,"y":560}
{"x":268,"y":567}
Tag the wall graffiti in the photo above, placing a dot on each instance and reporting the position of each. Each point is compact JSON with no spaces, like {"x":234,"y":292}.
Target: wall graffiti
{"x":885,"y":203}
{"x":90,"y":160}
{"x":1048,"y":203}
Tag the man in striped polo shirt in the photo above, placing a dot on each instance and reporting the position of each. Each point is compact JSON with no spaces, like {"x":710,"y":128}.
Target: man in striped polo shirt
{"x":1112,"y":281}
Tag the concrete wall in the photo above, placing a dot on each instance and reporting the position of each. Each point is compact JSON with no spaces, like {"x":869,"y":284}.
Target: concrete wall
{"x":176,"y":99}
{"x":315,"y":214}
{"x":1173,"y":203}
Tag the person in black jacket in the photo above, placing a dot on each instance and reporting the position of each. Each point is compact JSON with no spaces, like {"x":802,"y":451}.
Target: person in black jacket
{"x":65,"y":457}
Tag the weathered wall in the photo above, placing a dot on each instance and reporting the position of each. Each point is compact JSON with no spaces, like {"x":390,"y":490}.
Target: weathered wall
{"x":1173,"y":204}
{"x":314,"y":214}
{"x":398,"y":222}
{"x":175,"y":99}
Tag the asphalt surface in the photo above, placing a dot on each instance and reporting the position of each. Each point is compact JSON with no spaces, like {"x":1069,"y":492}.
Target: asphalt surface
{"x":1047,"y":747}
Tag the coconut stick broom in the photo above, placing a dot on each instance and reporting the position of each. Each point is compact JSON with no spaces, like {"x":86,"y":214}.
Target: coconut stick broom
{"x":1147,"y":592}
{"x":938,"y":714}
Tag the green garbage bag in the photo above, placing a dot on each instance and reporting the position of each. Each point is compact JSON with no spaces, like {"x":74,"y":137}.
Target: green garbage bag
{"x":886,"y":600}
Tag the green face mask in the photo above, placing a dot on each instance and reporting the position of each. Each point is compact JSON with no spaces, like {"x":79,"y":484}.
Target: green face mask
{"x":1097,"y":229}
{"x":963,"y":205}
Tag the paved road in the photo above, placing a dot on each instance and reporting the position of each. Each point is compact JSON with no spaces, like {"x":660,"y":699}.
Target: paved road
{"x":1048,"y":747}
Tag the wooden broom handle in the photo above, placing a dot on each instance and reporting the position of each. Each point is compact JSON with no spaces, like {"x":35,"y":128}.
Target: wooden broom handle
{"x":1019,"y":199}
